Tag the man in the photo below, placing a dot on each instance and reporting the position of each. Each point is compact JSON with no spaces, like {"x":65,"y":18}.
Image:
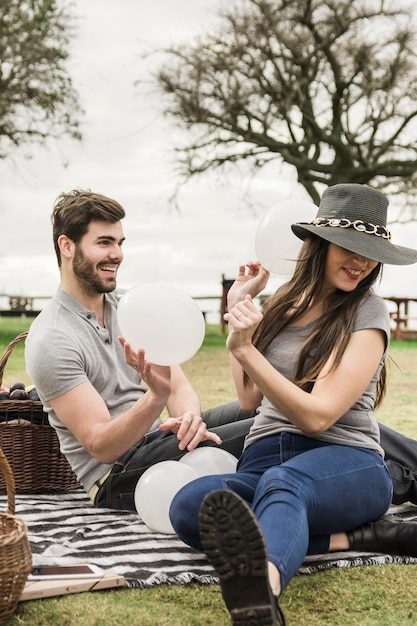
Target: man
{"x":86,"y":377}
{"x":90,"y":382}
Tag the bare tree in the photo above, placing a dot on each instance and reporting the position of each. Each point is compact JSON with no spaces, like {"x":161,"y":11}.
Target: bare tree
{"x":37,"y":98}
{"x":326,"y":86}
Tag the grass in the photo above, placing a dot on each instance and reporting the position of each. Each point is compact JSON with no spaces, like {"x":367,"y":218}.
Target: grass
{"x":365,"y":596}
{"x":14,"y":368}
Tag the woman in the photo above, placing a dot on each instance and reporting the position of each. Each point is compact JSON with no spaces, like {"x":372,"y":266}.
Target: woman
{"x":312,"y":468}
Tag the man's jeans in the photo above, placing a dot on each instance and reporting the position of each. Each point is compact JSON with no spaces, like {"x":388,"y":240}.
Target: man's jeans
{"x":401,"y":460}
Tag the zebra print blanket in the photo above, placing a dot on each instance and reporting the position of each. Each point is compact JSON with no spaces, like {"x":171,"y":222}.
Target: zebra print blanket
{"x":67,"y":529}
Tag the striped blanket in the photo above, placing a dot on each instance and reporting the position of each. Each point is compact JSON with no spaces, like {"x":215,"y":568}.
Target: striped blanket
{"x":66,"y":529}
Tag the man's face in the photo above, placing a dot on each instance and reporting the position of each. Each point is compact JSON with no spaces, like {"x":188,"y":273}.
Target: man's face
{"x":97,"y":257}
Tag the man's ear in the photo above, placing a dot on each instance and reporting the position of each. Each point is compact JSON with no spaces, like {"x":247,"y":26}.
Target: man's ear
{"x":66,"y":246}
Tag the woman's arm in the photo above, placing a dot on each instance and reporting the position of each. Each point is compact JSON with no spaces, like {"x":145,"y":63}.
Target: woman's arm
{"x":248,"y":394}
{"x":332,"y":395}
{"x":251,"y":280}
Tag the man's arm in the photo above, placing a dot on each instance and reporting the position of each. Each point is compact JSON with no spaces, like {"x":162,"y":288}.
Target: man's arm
{"x":183,"y":404}
{"x":184,"y":409}
{"x":85,"y":414}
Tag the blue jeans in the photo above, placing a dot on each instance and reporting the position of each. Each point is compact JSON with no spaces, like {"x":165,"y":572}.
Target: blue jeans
{"x":301,"y":490}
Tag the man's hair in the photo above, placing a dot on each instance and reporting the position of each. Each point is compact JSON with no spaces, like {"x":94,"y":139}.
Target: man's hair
{"x":74,"y":210}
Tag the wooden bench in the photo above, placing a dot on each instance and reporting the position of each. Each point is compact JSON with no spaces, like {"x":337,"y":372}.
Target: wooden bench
{"x":400,"y":328}
{"x":400,"y":318}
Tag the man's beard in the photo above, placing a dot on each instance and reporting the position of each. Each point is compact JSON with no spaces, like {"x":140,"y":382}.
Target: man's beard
{"x":86,"y":274}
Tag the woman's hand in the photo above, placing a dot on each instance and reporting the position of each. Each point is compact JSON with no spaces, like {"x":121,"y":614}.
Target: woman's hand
{"x":251,"y":280}
{"x":243,"y":320}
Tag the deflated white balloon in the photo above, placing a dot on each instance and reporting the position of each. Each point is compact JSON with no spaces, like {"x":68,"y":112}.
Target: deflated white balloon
{"x":209,"y":460}
{"x":162,"y":320}
{"x":155,"y":490}
{"x":276,"y":245}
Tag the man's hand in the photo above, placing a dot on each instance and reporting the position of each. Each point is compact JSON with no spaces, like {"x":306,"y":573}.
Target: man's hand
{"x":156,"y":377}
{"x":190,"y":430}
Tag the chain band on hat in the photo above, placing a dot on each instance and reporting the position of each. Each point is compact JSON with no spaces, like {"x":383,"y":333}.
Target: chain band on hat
{"x":359,"y":225}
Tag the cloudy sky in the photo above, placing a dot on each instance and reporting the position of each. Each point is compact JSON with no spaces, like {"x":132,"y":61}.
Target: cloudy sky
{"x":127,"y":153}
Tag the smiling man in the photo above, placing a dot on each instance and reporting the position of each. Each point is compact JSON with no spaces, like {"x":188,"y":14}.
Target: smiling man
{"x":91,"y":382}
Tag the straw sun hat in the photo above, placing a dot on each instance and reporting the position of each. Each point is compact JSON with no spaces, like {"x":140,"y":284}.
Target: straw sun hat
{"x":354,"y":217}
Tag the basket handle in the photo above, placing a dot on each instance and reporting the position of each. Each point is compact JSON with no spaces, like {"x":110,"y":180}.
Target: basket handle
{"x":10,"y":485}
{"x":8,"y":352}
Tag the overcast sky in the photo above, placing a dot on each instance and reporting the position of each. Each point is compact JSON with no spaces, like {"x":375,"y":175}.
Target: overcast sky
{"x":127,"y":153}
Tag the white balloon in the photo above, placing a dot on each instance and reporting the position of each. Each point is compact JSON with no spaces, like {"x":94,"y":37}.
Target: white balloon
{"x":162,"y":320}
{"x":155,"y":490}
{"x":209,"y":460}
{"x":276,"y":245}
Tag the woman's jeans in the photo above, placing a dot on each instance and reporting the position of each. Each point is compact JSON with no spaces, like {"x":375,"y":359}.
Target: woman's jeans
{"x":300,"y":489}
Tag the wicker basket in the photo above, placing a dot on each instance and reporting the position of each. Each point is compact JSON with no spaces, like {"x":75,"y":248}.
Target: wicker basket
{"x":31,"y":445}
{"x":15,"y":553}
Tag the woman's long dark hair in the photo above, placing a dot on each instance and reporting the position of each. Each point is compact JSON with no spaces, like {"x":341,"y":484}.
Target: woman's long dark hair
{"x":333,"y":330}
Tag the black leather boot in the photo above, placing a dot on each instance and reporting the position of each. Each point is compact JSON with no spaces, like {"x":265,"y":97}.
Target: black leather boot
{"x":385,"y":536}
{"x":235,"y":547}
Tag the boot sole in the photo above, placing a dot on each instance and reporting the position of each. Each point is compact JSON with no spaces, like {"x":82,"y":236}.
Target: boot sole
{"x":235,"y":547}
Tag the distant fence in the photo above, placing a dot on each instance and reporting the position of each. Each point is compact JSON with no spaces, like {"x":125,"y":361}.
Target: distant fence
{"x":20,"y":306}
{"x":31,"y":306}
{"x":403,"y":311}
